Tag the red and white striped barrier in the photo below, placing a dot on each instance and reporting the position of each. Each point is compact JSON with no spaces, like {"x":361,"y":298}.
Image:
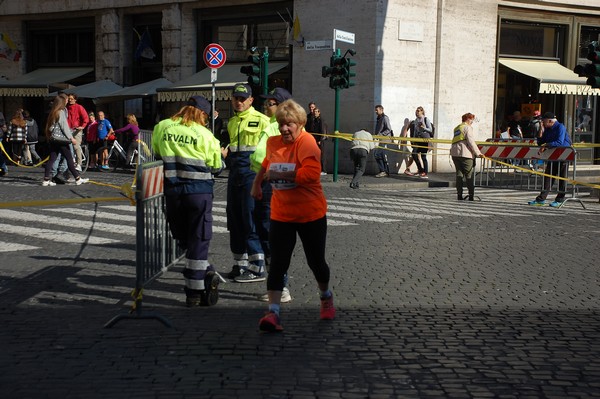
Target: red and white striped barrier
{"x":152,"y":182}
{"x":512,"y":152}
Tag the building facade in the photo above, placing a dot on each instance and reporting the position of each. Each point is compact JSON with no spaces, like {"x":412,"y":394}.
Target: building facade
{"x":487,"y":57}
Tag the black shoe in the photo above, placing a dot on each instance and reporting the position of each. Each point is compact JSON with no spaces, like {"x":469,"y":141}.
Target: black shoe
{"x":235,"y":271}
{"x":210,"y":295}
{"x":193,"y":301}
{"x":471,"y":198}
{"x":58,"y":180}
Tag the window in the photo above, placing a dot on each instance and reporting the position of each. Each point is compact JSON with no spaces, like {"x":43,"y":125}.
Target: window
{"x":532,"y":40}
{"x":61,"y":43}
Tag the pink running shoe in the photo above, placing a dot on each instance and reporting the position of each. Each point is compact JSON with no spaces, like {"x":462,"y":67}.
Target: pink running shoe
{"x":327,"y":308}
{"x":270,"y":323}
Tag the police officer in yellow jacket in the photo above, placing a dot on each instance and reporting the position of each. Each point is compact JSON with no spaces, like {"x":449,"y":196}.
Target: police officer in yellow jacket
{"x":191,"y":154}
{"x":244,"y":128}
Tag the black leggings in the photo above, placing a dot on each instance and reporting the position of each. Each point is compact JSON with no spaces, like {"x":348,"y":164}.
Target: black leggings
{"x":283,"y":240}
{"x":55,"y":149}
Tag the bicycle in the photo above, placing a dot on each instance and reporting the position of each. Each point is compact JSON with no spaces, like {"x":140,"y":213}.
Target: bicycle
{"x":85,"y":157}
{"x":117,"y":157}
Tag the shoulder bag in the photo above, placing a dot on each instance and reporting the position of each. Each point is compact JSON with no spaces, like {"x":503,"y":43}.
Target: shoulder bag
{"x":57,"y":136}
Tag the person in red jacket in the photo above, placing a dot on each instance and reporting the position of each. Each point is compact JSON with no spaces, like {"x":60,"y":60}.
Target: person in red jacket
{"x":77,"y":119}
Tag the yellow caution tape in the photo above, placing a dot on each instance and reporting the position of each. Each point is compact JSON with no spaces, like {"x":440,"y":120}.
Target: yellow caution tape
{"x":137,"y":296}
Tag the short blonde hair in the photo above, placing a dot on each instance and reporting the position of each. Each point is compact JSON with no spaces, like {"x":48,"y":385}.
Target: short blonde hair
{"x":290,"y":111}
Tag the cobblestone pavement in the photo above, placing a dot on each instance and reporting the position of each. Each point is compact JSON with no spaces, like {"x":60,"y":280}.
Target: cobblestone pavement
{"x":435,"y":298}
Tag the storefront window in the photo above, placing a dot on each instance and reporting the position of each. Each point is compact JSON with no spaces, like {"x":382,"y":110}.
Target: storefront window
{"x":586,"y":109}
{"x":532,"y":40}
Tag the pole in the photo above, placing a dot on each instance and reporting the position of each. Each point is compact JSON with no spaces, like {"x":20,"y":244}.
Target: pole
{"x":336,"y":128}
{"x":265,"y":72}
{"x":213,"y":79}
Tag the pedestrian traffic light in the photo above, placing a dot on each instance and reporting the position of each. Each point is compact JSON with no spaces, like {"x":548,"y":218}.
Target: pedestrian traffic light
{"x":591,"y":71}
{"x":253,"y":71}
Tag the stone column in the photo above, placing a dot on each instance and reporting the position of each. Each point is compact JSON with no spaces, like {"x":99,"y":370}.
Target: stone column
{"x":108,"y":55}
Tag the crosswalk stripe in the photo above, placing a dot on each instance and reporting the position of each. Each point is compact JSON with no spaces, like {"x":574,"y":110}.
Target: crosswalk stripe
{"x":54,"y":235}
{"x":94,"y":213}
{"x":67,"y":222}
{"x":11,"y":246}
{"x":373,"y":208}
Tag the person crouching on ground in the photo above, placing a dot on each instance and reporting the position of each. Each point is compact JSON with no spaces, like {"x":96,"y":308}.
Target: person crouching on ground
{"x":463,"y":152}
{"x":298,"y":206}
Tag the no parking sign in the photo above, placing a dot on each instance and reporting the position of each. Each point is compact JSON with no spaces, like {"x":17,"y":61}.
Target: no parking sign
{"x":214,"y":56}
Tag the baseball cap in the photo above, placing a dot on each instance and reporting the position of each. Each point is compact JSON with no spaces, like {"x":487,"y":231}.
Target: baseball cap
{"x":241,"y":90}
{"x":201,"y":103}
{"x":278,"y":94}
{"x":549,"y":115}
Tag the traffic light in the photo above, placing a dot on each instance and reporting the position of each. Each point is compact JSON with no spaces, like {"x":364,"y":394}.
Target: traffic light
{"x":349,"y":73}
{"x":591,"y":71}
{"x":338,"y":78}
{"x":253,"y":71}
{"x":339,"y":71}
{"x":334,"y":71}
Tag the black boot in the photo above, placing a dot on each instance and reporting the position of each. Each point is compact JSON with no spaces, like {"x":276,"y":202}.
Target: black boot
{"x":193,"y":298}
{"x":210,"y":294}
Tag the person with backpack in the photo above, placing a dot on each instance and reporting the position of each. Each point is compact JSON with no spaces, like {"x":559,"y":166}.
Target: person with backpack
{"x":421,"y":127}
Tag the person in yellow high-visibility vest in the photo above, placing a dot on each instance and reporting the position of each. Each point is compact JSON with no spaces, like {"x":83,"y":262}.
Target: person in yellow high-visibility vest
{"x":191,"y":155}
{"x":464,"y":150}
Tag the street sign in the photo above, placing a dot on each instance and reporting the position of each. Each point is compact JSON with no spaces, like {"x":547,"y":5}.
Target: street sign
{"x":214,"y":56}
{"x":317,"y":45}
{"x":347,"y":37}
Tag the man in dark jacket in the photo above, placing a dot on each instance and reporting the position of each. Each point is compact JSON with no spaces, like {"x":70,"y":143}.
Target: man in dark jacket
{"x":382,"y":128}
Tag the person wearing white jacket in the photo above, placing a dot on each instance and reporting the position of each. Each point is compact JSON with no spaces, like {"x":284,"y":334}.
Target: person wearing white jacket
{"x":464,"y":150}
{"x":362,"y":144}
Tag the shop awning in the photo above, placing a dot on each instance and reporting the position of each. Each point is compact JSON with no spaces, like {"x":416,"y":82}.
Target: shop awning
{"x":137,"y":91}
{"x":554,"y":78}
{"x":93,"y":90}
{"x":36,"y":83}
{"x":199,"y":83}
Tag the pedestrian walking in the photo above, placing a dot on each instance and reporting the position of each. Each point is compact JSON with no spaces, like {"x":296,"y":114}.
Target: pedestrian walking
{"x":298,"y":207}
{"x":463,"y":152}
{"x":421,"y":127}
{"x":191,"y":154}
{"x":382,"y":128}
{"x":58,"y":117}
{"x":17,"y":135}
{"x":30,"y":155}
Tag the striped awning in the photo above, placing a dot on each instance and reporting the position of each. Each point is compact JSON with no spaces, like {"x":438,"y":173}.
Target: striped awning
{"x":200,"y":84}
{"x":38,"y":82}
{"x":554,"y":78}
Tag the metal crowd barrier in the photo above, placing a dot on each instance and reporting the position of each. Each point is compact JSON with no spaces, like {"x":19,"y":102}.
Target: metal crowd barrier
{"x":520,"y":160}
{"x":146,"y":138}
{"x":156,"y":249}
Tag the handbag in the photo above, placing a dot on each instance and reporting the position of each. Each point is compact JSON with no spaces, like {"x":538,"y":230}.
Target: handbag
{"x":57,"y":136}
